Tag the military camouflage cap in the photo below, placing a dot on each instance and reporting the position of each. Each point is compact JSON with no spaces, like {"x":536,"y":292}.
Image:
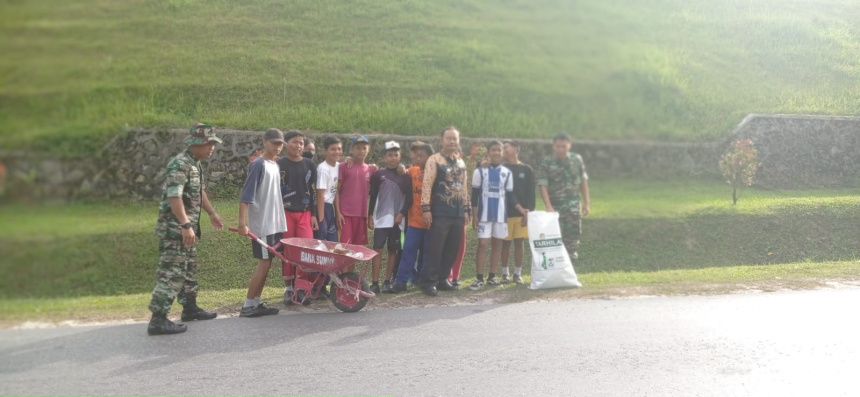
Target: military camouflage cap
{"x":202,"y":134}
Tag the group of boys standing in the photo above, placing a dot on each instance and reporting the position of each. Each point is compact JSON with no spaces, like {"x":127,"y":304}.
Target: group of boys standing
{"x":291,"y":196}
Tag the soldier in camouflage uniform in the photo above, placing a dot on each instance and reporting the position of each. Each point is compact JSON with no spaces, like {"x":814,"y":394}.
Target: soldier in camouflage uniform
{"x":178,"y":230}
{"x":563,"y":186}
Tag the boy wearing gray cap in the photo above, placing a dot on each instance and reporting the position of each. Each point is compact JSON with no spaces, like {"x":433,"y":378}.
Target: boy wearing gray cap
{"x":261,"y":211}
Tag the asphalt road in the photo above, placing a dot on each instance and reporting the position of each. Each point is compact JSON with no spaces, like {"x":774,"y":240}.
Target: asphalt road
{"x":765,"y":344}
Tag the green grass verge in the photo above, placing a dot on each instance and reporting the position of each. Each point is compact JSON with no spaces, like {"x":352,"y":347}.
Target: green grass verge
{"x":668,"y":69}
{"x":80,"y":260}
{"x":597,"y":285}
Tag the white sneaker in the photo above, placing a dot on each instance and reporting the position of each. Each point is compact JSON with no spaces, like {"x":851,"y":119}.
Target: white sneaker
{"x":476,"y":285}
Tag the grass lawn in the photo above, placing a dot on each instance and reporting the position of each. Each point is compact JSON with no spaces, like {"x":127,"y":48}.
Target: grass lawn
{"x":96,"y":261}
{"x":668,"y":69}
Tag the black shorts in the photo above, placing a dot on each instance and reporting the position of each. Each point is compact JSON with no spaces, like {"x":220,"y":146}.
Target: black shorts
{"x":271,"y":240}
{"x":391,"y":235}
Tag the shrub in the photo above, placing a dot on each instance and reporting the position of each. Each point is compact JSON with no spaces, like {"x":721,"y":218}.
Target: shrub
{"x":739,"y":166}
{"x":476,"y":156}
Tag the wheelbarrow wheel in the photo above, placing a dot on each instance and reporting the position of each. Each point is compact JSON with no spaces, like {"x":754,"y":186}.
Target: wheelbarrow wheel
{"x":345,"y":301}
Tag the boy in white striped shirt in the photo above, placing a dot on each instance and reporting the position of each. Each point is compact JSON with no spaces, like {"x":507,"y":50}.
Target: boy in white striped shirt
{"x":490,"y":188}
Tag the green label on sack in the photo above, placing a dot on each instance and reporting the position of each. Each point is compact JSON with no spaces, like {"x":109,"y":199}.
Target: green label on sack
{"x":555,"y":242}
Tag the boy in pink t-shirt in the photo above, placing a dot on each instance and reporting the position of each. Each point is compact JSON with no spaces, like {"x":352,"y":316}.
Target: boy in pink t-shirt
{"x":353,"y":193}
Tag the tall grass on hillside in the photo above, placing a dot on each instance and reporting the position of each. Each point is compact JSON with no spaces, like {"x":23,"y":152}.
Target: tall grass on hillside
{"x":75,"y":72}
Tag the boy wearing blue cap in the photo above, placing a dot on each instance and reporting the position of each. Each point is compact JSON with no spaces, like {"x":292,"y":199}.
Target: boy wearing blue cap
{"x":353,"y":192}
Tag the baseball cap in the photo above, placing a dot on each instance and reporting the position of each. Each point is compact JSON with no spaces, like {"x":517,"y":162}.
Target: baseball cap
{"x":202,"y":134}
{"x":274,"y":135}
{"x":360,"y":139}
{"x":392,"y":145}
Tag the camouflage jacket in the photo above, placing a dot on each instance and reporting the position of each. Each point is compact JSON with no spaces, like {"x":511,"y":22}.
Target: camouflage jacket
{"x":563,"y":179}
{"x":184,"y":178}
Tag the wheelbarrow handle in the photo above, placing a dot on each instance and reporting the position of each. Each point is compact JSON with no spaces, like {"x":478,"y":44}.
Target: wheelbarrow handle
{"x":251,"y":235}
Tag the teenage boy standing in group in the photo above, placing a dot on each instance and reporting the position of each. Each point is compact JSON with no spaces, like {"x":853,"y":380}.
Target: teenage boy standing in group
{"x":261,"y":211}
{"x":518,"y":231}
{"x":327,"y":189}
{"x":310,"y":150}
{"x":491,"y":190}
{"x":385,"y":213}
{"x":352,"y":194}
{"x":416,"y":230}
{"x":564,"y":188}
{"x":298,"y":176}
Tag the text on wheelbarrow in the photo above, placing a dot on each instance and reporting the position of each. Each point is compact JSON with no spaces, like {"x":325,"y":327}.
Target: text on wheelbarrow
{"x":308,"y":257}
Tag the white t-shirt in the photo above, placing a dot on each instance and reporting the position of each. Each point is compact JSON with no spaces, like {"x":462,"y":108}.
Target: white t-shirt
{"x":327,"y":179}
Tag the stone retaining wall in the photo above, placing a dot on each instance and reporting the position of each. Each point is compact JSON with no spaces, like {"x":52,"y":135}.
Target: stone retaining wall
{"x":132,"y":165}
{"x":804,"y":151}
{"x":795,"y":151}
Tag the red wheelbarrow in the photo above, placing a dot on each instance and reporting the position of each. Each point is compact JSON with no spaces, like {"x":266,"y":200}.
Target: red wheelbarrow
{"x":349,"y":291}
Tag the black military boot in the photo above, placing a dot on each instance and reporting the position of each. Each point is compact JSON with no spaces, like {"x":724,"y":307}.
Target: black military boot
{"x":160,"y":325}
{"x":191,"y":312}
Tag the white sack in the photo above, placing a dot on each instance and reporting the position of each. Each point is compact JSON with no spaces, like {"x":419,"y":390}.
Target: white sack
{"x":551,"y":266}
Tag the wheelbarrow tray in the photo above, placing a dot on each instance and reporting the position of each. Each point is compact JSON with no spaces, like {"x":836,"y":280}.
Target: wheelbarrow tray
{"x":303,"y":251}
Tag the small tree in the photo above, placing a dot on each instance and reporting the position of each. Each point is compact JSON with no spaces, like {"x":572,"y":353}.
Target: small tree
{"x":2,"y":180}
{"x":739,"y":166}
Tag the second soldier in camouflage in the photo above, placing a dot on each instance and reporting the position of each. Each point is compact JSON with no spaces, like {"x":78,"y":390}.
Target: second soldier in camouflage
{"x":563,"y":186}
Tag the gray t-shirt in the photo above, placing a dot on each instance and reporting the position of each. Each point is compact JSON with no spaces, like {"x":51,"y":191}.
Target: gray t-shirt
{"x":262,"y":192}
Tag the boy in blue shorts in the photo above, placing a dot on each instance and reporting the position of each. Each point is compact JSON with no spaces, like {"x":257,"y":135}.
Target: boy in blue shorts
{"x":417,"y":229}
{"x":327,"y":178}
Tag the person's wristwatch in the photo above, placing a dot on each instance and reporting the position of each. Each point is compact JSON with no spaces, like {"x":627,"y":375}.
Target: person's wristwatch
{"x":186,"y":226}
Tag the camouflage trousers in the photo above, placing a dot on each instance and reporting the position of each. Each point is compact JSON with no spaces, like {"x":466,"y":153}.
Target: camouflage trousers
{"x":571,"y":230}
{"x":175,"y":275}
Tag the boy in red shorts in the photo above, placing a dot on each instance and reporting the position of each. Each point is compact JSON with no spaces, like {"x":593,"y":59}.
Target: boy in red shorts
{"x":298,"y":177}
{"x":353,"y":193}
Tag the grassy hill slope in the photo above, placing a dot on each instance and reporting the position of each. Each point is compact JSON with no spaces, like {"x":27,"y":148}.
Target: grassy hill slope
{"x":74,"y":72}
